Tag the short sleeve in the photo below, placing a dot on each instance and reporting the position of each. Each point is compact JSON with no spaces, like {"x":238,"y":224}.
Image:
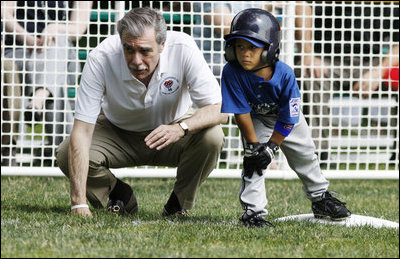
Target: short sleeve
{"x":289,"y":102}
{"x":90,"y":91}
{"x":233,"y":97}
{"x":203,"y":86}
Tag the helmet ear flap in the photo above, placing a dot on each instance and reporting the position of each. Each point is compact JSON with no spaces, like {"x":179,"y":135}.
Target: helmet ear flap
{"x":230,"y":55}
{"x":264,"y":56}
{"x":276,"y":57}
{"x":270,"y":58}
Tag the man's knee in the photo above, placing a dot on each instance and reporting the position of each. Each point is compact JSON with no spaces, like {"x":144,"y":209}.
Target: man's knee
{"x":213,"y":139}
{"x":96,"y":159}
{"x":62,"y":156}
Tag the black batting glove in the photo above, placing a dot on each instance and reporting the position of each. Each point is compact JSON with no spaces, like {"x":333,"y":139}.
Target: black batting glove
{"x":254,"y":159}
{"x":257,"y":157}
{"x":271,"y":148}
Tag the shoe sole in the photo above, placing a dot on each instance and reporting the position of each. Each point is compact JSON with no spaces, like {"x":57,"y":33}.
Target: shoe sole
{"x":123,"y":212}
{"x":165,"y":213}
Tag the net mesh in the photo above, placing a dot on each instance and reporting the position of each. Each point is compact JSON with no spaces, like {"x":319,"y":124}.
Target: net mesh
{"x":332,"y":47}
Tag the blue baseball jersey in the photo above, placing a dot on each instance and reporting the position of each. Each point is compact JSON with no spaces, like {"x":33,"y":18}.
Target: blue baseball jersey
{"x":244,"y":92}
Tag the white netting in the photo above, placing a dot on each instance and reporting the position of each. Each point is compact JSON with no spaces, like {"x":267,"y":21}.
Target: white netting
{"x":351,"y":131}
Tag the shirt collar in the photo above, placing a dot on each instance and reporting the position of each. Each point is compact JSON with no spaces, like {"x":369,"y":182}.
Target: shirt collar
{"x":163,"y":62}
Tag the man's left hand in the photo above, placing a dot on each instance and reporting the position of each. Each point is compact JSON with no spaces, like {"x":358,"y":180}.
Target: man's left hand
{"x":163,"y":136}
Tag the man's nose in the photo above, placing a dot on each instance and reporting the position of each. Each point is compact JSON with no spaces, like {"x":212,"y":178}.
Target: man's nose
{"x":137,"y":59}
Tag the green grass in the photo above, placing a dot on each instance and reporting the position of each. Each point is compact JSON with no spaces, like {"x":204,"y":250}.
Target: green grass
{"x":35,"y":222}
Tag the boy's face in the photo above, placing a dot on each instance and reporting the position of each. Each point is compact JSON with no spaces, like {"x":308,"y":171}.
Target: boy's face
{"x":248,"y":55}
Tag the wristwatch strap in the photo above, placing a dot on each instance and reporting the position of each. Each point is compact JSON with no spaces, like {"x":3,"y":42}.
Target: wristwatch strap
{"x":184,"y":126}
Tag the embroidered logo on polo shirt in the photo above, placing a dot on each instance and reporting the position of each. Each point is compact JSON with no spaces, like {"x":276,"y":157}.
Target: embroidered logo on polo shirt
{"x":169,"y":85}
{"x":294,"y":105}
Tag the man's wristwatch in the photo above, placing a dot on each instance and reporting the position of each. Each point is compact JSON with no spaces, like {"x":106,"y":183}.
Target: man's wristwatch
{"x":185,"y":127}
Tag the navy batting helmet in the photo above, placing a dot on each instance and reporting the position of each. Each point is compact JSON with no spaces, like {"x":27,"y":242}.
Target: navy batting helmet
{"x":260,"y":28}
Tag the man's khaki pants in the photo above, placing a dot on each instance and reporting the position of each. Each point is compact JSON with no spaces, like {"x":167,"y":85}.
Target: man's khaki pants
{"x":195,"y":156}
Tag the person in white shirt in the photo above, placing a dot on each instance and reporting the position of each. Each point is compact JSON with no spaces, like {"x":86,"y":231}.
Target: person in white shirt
{"x":134,"y":108}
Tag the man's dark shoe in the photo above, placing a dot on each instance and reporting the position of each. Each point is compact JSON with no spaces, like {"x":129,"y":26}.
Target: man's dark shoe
{"x":330,"y":207}
{"x":254,"y":220}
{"x":122,"y":199}
{"x":181,"y":212}
{"x":118,"y":207}
{"x":173,"y":207}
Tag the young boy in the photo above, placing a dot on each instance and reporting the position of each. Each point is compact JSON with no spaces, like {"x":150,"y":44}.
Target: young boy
{"x":263,"y":94}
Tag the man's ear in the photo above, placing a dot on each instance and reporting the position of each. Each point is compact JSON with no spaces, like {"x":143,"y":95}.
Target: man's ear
{"x":162,"y":46}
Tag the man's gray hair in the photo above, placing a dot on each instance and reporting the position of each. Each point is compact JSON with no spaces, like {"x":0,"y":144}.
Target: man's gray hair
{"x":137,"y":20}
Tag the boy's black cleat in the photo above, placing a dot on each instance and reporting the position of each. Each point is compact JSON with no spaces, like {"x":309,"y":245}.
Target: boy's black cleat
{"x":330,"y":207}
{"x":254,"y":220}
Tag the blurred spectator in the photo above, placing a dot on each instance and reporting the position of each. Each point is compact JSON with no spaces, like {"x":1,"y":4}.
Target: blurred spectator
{"x":387,"y":70}
{"x":11,"y":104}
{"x":357,"y":42}
{"x":42,"y":32}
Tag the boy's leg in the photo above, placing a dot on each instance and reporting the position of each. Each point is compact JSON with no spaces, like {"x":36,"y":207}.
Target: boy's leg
{"x":299,"y":150}
{"x":252,"y":194}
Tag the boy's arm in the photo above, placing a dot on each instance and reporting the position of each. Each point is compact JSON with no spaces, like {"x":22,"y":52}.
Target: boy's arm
{"x":256,"y":156}
{"x":246,"y":127}
{"x":277,"y":138}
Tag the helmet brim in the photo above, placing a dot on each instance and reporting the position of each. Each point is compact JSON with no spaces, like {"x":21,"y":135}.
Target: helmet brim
{"x":252,"y":41}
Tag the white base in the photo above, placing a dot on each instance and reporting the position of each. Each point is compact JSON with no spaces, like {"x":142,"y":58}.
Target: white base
{"x":353,"y":221}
